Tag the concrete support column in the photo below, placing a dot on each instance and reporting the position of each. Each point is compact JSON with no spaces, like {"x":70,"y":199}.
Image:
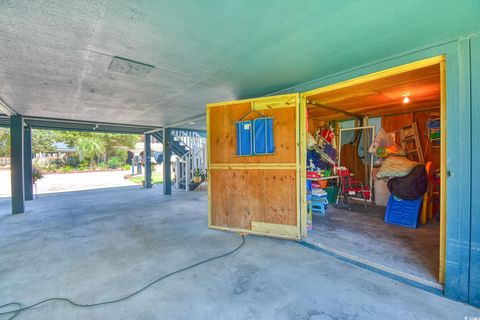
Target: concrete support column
{"x":16,"y":163}
{"x":188,"y":169}
{"x":167,"y":155}
{"x":177,"y":172}
{"x":148,"y":160}
{"x":27,"y":163}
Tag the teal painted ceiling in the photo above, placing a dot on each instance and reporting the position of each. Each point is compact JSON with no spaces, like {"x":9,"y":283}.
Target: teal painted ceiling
{"x":55,"y":56}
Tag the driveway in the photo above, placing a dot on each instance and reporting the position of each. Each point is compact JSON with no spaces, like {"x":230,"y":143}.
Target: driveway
{"x":71,"y":181}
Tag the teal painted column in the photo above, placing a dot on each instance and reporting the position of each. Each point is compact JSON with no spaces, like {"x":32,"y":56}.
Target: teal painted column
{"x":27,"y":163}
{"x":167,"y":155}
{"x":148,"y":160}
{"x":459,"y":181}
{"x":475,"y":222}
{"x":16,"y":163}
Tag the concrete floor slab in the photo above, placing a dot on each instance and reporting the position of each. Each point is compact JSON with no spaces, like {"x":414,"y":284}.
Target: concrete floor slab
{"x":363,"y":233}
{"x":102,"y":244}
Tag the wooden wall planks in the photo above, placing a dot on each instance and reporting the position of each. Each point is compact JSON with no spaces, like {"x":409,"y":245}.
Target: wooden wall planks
{"x":223,"y":134}
{"x":394,"y":123}
{"x":242,"y":196}
{"x":260,"y":189}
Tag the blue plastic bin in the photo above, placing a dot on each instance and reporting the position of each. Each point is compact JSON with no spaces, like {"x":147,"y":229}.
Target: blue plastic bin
{"x":403,"y":212}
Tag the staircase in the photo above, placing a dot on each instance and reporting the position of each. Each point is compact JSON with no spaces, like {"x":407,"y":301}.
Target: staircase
{"x":195,"y":159}
{"x":177,"y":148}
{"x":191,"y":149}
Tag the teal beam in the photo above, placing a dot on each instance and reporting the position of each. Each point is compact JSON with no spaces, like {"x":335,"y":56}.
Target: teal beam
{"x":474,"y":283}
{"x":16,"y":164}
{"x":167,"y":155}
{"x":148,"y":160}
{"x":27,"y":163}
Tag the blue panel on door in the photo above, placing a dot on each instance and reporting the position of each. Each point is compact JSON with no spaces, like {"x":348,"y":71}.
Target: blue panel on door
{"x":263,"y":136}
{"x":244,"y":138}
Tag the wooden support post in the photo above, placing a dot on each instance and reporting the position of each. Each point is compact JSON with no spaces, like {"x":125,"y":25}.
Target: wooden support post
{"x":27,"y":163}
{"x":16,"y":164}
{"x":167,"y":155}
{"x":148,"y":160}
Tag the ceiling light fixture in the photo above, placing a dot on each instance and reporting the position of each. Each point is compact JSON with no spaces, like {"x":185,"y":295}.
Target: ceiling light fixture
{"x":406,"y":98}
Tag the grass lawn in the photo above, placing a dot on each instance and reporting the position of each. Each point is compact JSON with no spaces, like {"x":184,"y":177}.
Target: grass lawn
{"x":157,"y":178}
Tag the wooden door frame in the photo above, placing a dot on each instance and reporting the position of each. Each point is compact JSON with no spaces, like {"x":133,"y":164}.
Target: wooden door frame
{"x":440,"y":60}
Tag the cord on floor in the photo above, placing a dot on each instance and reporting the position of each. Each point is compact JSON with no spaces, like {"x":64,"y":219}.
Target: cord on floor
{"x":16,"y":312}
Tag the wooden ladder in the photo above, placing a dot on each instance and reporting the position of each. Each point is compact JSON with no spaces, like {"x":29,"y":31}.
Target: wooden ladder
{"x":410,"y":141}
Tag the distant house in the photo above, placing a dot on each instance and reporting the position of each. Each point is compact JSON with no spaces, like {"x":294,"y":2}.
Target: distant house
{"x":61,"y":149}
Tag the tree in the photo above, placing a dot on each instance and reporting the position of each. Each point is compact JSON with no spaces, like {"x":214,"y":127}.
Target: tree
{"x":43,"y":141}
{"x":117,"y":144}
{"x":90,"y":148}
{"x":4,"y":142}
{"x":112,"y":144}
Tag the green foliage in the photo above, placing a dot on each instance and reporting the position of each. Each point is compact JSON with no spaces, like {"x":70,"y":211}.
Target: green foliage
{"x":51,"y":167}
{"x":117,"y":144}
{"x":37,"y":174}
{"x":72,"y":160}
{"x":90,"y":148}
{"x":58,"y":163}
{"x":197,"y":172}
{"x":102,"y":165}
{"x":43,"y":140}
{"x":84,"y":165}
{"x":4,"y":142}
{"x":157,"y":178}
{"x":95,"y":146}
{"x":126,"y":167}
{"x":114,"y":163}
{"x":67,"y":169}
{"x":122,"y":155}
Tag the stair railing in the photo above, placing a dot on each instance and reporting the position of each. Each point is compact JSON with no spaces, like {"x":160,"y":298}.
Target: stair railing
{"x":195,"y":157}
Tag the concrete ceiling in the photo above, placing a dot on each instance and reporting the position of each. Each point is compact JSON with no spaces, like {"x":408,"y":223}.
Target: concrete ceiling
{"x":56,"y":56}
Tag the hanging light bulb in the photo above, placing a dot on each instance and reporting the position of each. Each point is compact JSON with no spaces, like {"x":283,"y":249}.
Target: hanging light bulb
{"x":406,"y":98}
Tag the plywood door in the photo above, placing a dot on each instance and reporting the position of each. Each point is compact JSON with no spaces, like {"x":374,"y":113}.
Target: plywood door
{"x":255,"y":194}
